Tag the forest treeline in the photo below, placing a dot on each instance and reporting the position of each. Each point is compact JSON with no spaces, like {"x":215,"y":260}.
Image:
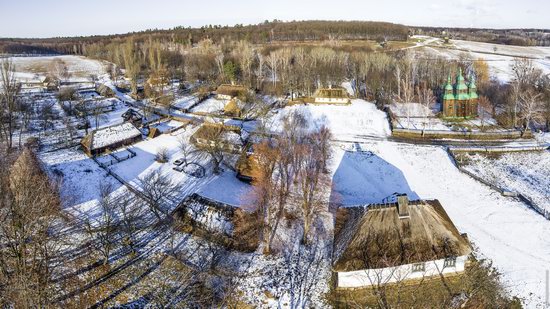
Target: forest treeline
{"x":268,"y":31}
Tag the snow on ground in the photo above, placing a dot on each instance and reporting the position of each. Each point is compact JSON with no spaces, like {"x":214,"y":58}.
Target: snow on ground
{"x":80,"y":179}
{"x":503,"y":229}
{"x":416,"y":116}
{"x":227,"y":189}
{"x":359,"y":119}
{"x":79,"y":67}
{"x":349,"y":88}
{"x":521,"y":51}
{"x":527,"y":173}
{"x":214,"y":186}
{"x":499,"y":62}
{"x":211,"y":105}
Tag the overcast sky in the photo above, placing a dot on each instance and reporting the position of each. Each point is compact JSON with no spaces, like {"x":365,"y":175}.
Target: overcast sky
{"x":41,"y":18}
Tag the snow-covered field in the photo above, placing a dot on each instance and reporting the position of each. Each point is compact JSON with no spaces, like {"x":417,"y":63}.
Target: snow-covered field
{"x":29,"y":68}
{"x":358,"y":120}
{"x":525,"y":173}
{"x":499,"y":61}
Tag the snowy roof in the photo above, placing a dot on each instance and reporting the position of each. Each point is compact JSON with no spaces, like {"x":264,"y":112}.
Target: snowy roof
{"x":375,"y":236}
{"x":111,"y":135}
{"x":223,"y":133}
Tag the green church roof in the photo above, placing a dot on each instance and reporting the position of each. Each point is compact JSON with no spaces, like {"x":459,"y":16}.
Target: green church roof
{"x":460,"y":84}
{"x":463,"y":96}
{"x":449,"y":85}
{"x":449,"y":96}
{"x":473,"y":88}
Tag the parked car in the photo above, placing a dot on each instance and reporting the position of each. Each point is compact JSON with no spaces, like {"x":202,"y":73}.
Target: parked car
{"x":179,"y":162}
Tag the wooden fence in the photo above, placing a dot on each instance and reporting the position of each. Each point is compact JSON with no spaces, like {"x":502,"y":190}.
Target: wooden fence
{"x":525,"y":199}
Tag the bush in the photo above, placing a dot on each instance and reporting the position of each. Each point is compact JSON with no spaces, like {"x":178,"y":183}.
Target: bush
{"x":162,"y":155}
{"x":66,"y":94}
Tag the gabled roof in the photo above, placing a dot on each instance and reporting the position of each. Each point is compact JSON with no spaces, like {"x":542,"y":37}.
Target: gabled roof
{"x":339,"y":93}
{"x":110,"y":135}
{"x":231,"y":90}
{"x":374,"y":236}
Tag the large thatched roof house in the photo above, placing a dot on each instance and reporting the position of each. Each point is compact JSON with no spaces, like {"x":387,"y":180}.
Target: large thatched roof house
{"x":390,"y":243}
{"x":228,"y":91}
{"x":337,"y":96}
{"x":110,"y":138}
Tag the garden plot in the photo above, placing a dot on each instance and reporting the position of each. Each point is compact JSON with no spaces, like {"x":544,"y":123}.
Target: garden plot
{"x":210,"y":106}
{"x":350,"y":122}
{"x":527,"y":173}
{"x":80,"y":178}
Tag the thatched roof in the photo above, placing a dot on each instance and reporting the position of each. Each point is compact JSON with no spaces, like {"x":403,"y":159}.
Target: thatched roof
{"x":218,"y":132}
{"x":233,"y":108}
{"x":339,"y":93}
{"x":111,"y":135}
{"x":376,"y":236}
{"x":231,"y":90}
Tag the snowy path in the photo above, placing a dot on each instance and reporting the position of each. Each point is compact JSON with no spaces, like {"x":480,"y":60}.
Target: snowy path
{"x":516,"y":238}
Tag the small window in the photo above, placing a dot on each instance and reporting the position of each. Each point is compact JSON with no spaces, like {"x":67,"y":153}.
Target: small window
{"x":418,"y":267}
{"x":449,"y":262}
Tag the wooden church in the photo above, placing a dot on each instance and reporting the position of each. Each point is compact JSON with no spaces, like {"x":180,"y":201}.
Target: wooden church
{"x":460,"y":100}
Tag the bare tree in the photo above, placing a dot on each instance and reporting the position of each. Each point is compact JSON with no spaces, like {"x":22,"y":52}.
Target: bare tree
{"x":9,"y":102}
{"x":30,"y":243}
{"x":530,"y":104}
{"x":312,"y":177}
{"x":185,"y":148}
{"x":157,"y":189}
{"x":104,"y":228}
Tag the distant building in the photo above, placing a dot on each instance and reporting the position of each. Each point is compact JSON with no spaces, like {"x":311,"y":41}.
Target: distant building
{"x":391,"y":243}
{"x":228,"y":92}
{"x":460,"y":100}
{"x":110,"y":138}
{"x":336,"y":96}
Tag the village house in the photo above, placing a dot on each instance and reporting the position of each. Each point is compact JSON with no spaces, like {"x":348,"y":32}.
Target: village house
{"x":227,"y":138}
{"x":391,"y":243}
{"x":234,"y":108}
{"x":222,"y":223}
{"x":133,"y":116}
{"x":460,"y":100}
{"x":110,"y":138}
{"x":41,"y":84}
{"x":228,"y":91}
{"x":337,"y":96}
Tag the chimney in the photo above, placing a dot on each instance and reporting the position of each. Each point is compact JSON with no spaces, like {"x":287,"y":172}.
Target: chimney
{"x":403,"y":206}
